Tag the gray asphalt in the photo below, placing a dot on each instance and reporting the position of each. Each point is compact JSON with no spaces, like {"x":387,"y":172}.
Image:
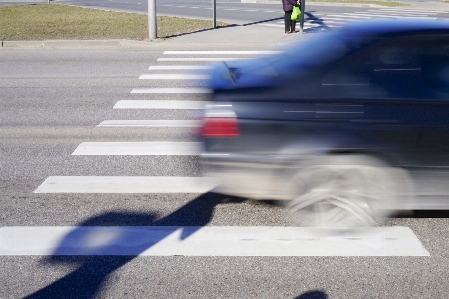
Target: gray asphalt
{"x":51,"y":102}
{"x":52,"y":99}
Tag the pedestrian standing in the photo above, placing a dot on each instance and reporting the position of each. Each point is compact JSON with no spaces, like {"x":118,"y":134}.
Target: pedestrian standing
{"x":288,"y":8}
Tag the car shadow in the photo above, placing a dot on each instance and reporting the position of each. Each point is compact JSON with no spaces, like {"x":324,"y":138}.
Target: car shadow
{"x":444,"y":214}
{"x":95,"y":265}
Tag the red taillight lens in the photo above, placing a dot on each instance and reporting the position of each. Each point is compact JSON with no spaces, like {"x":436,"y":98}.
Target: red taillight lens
{"x":220,"y":127}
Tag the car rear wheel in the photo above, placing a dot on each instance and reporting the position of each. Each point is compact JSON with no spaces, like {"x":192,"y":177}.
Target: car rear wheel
{"x":349,"y":191}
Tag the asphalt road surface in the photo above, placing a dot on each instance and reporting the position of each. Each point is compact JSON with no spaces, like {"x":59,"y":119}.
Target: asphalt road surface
{"x":102,"y":197}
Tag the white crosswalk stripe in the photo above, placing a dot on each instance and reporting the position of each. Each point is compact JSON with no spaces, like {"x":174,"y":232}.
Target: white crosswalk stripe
{"x":189,"y":59}
{"x":414,"y":10}
{"x":179,"y":67}
{"x":410,"y":12}
{"x":125,"y":184}
{"x":138,"y":148}
{"x":160,"y":104}
{"x":170,"y":90}
{"x":174,"y":77}
{"x":208,"y":241}
{"x":221,"y":52}
{"x":151,"y":123}
{"x":360,"y":15}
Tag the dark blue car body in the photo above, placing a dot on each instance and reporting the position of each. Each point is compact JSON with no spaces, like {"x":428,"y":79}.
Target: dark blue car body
{"x":377,"y":89}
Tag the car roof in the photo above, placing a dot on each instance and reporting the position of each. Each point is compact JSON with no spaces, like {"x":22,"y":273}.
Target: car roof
{"x":385,"y":26}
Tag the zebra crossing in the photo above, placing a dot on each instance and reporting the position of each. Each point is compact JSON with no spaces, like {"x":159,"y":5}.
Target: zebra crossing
{"x":209,"y":241}
{"x":317,"y":21}
{"x":320,"y":21}
{"x":188,"y":240}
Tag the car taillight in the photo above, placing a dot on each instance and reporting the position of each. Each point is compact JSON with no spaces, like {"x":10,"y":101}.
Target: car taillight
{"x":220,"y":127}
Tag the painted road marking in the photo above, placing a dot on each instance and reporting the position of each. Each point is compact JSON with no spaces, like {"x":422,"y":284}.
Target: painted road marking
{"x":317,"y":21}
{"x":222,"y":52}
{"x":171,"y":90}
{"x":357,"y":17}
{"x":208,"y":241}
{"x":151,"y":123}
{"x":125,"y":184}
{"x":413,"y":10}
{"x":410,"y":13}
{"x":159,"y":148}
{"x":375,"y":16}
{"x":159,"y":104}
{"x":180,"y":67}
{"x":198,"y":59}
{"x":326,"y":19}
{"x":174,"y":77}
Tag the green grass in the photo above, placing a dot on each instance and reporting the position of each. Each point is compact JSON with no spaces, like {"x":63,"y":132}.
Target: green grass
{"x":44,"y":22}
{"x":377,"y":2}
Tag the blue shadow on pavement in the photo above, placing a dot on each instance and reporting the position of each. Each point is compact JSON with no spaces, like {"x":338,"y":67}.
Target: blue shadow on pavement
{"x":94,"y":268}
{"x":313,"y":295}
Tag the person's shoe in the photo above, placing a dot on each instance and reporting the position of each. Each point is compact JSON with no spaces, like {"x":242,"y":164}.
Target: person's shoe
{"x":288,"y":32}
{"x":293,"y":31}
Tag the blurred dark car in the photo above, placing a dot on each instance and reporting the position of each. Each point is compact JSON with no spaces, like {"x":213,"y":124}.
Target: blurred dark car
{"x":352,"y":123}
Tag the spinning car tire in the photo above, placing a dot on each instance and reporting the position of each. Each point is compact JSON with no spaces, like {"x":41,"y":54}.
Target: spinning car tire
{"x":349,"y":191}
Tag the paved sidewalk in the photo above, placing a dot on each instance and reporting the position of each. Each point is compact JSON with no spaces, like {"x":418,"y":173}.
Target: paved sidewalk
{"x":247,"y":36}
{"x":239,"y":36}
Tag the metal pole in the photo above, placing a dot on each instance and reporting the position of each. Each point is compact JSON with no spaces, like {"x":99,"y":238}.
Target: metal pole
{"x":152,"y":25}
{"x":214,"y":11}
{"x":301,"y":19}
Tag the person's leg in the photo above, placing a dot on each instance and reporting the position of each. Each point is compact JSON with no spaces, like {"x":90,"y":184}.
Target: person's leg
{"x":287,"y":21}
{"x":293,"y":25}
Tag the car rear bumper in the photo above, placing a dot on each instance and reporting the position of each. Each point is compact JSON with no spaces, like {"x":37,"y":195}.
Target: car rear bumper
{"x":250,"y":176}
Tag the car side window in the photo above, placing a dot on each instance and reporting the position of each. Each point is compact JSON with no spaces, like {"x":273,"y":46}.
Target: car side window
{"x":350,"y":77}
{"x":397,"y":71}
{"x":434,"y":59}
{"x":415,"y":67}
{"x":408,"y":67}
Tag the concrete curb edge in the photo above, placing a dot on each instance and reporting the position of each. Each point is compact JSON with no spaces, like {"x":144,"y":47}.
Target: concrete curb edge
{"x":117,"y":44}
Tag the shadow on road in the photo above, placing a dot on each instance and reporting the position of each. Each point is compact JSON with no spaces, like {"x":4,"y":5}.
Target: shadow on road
{"x":444,"y":214}
{"x":94,"y":266}
{"x":319,"y":23}
{"x":313,"y":295}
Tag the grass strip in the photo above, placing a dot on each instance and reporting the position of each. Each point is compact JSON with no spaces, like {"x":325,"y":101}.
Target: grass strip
{"x":376,"y":2}
{"x":55,"y":21}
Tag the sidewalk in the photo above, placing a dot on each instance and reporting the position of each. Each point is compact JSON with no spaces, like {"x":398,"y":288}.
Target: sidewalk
{"x":247,"y":35}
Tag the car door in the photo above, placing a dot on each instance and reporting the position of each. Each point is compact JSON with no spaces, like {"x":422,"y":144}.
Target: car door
{"x":397,"y":96}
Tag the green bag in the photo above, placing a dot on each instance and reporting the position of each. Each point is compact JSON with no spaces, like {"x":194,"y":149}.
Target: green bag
{"x":296,"y":13}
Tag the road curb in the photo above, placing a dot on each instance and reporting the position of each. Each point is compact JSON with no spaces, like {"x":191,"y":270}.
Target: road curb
{"x":120,"y":44}
{"x":73,"y":44}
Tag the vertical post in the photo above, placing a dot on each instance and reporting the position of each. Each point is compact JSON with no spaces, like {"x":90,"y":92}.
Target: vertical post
{"x":214,"y":13}
{"x":301,"y":19}
{"x":152,"y":24}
